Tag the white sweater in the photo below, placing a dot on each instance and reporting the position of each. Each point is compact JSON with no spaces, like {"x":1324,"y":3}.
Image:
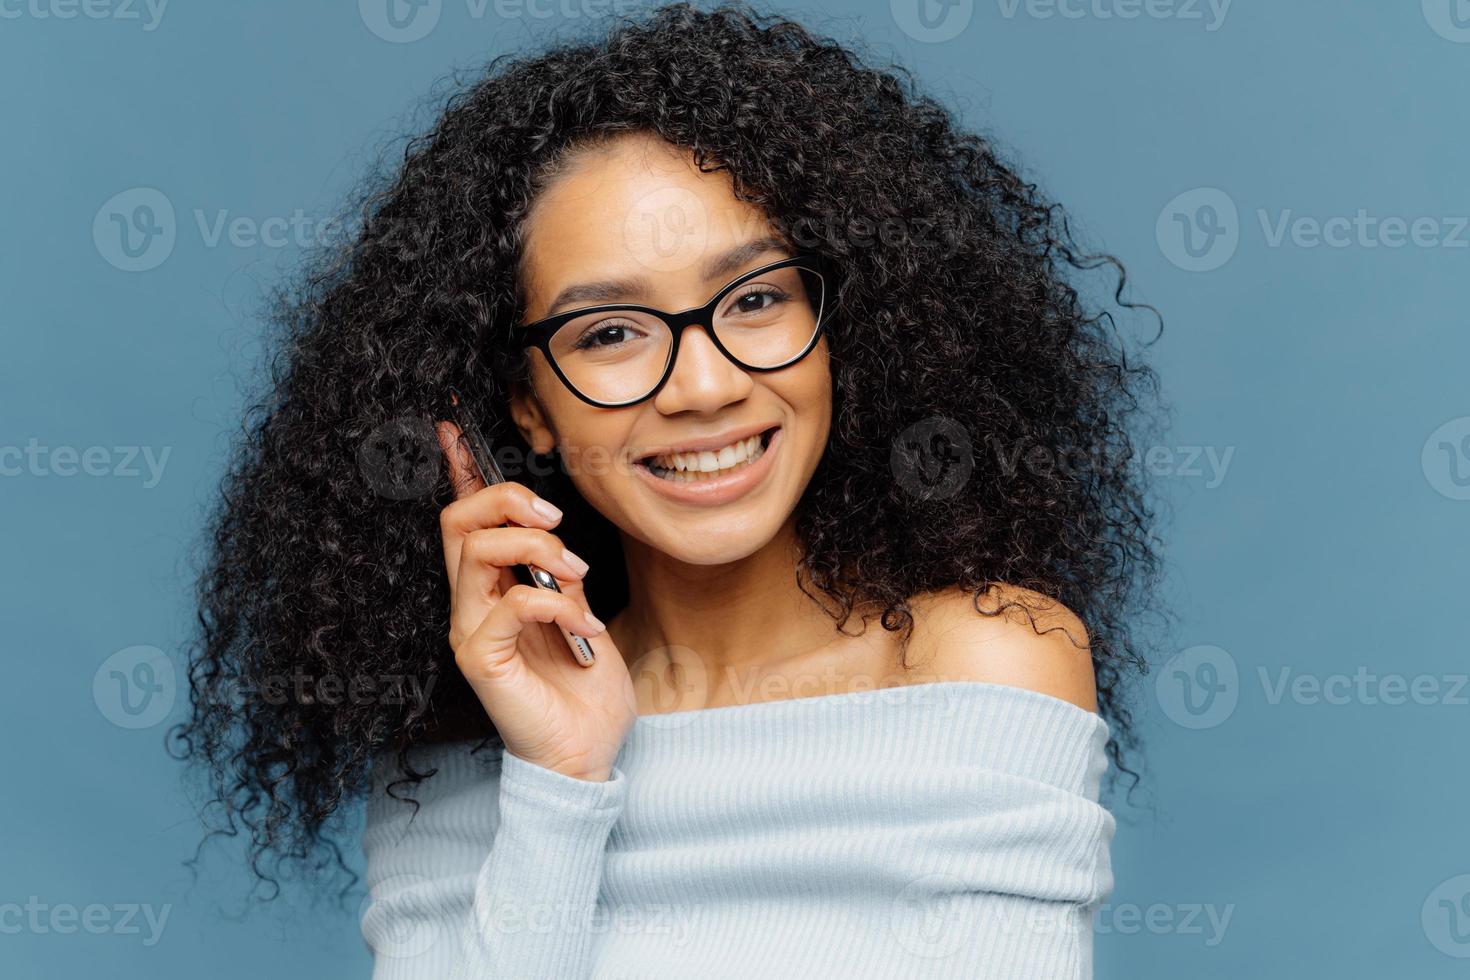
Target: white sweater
{"x":947,"y":829}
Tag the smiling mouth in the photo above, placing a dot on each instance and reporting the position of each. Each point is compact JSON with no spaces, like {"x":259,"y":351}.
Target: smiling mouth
{"x":709,"y":464}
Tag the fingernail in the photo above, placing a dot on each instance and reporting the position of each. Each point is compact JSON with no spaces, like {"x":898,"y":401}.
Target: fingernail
{"x":594,"y":622}
{"x":578,"y":565}
{"x":546,"y":509}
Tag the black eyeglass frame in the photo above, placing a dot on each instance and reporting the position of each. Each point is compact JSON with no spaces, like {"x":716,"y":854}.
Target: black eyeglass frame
{"x":539,"y":333}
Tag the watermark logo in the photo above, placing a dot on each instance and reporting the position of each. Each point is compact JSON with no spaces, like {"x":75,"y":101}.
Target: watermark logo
{"x":135,"y":687}
{"x":405,"y":21}
{"x":135,"y":230}
{"x":1199,"y":230}
{"x":933,"y":458}
{"x":546,"y":9}
{"x":299,"y":687}
{"x":676,"y":682}
{"x":397,"y":917}
{"x":1206,"y":920}
{"x":34,"y":459}
{"x":147,"y":12}
{"x":1445,"y":459}
{"x":1450,"y":19}
{"x":1211,"y":13}
{"x":400,"y":458}
{"x":1207,"y":464}
{"x":932,"y":21}
{"x":1445,"y":917}
{"x":507,"y":915}
{"x":400,"y":21}
{"x":1199,"y":687}
{"x":275,"y":231}
{"x":1364,"y":687}
{"x":928,"y":920}
{"x":1363,"y":230}
{"x":65,"y":918}
{"x":668,"y":229}
{"x":934,"y":916}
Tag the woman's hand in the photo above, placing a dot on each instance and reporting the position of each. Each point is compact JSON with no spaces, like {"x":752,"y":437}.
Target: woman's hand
{"x":507,"y":637}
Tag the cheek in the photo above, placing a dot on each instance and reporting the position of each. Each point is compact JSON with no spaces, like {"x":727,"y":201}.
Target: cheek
{"x":589,"y":440}
{"x":806,"y":388}
{"x":812,"y":388}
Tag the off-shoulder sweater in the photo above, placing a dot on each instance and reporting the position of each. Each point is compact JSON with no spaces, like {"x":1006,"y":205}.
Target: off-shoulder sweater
{"x":947,"y":829}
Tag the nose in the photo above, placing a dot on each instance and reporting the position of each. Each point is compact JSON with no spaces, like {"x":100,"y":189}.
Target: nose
{"x":703,"y":379}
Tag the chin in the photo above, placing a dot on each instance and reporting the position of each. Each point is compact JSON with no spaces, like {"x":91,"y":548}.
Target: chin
{"x":703,"y":544}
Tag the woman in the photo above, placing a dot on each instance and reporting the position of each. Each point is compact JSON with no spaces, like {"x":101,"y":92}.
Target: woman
{"x":883,"y":405}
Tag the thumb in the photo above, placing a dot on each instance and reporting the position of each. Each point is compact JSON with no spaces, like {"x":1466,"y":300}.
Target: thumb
{"x":463,"y":475}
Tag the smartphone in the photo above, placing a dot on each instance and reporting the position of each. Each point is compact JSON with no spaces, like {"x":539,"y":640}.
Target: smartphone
{"x":484,"y":459}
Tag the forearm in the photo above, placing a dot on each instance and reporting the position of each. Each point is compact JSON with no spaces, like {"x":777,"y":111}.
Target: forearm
{"x":537,"y":891}
{"x":524,"y":909}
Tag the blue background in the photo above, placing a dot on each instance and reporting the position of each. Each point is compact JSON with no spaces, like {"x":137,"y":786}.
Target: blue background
{"x":1333,"y":543}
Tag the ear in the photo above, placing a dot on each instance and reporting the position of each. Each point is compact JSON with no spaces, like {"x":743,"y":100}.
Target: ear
{"x":530,"y":418}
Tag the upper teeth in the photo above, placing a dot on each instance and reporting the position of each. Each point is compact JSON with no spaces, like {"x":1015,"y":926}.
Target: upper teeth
{"x":707,"y":461}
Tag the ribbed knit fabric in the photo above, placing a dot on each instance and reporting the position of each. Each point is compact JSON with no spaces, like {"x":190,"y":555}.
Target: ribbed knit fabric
{"x":949,"y":829}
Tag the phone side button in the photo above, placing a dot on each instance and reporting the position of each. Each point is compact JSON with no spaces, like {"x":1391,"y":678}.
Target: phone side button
{"x":544,"y":579}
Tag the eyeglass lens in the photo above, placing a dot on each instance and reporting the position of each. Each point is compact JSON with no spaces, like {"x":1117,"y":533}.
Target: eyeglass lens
{"x":617,"y":355}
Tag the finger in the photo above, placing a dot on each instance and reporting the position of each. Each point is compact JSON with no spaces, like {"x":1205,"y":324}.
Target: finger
{"x":463,"y":475}
{"x":488,"y":553}
{"x":574,"y":587}
{"x":492,"y":508}
{"x":507,"y":502}
{"x":491,"y":651}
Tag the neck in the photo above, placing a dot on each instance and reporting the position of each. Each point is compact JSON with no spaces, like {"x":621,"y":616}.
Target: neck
{"x":736,"y":618}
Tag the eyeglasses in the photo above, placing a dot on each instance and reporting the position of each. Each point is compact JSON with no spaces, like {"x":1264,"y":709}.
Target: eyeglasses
{"x":617,"y":355}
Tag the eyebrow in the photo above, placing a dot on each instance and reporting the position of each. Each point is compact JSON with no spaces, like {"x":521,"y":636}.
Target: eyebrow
{"x":721,"y":266}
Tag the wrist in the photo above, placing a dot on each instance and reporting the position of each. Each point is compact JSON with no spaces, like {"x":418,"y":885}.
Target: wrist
{"x":590,"y":776}
{"x":557,"y":801}
{"x":575,"y":770}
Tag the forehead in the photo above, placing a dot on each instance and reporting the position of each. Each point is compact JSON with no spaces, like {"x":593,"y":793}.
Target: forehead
{"x":637,"y":207}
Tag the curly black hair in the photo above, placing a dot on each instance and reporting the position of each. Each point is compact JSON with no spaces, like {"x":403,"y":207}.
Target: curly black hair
{"x":324,"y":554}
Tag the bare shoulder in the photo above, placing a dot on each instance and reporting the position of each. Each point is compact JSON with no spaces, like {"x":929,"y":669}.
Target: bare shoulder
{"x":954,"y":640}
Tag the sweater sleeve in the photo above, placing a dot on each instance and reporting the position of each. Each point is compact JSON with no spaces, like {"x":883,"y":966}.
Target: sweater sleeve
{"x":1013,"y":859}
{"x":494,"y":876}
{"x":1014,"y":898}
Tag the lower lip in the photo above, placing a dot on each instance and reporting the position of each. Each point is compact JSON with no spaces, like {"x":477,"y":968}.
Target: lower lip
{"x":716,"y":490}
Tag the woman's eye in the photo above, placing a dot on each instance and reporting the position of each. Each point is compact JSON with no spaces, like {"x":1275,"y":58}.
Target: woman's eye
{"x":606,"y":335}
{"x":754,"y":301}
